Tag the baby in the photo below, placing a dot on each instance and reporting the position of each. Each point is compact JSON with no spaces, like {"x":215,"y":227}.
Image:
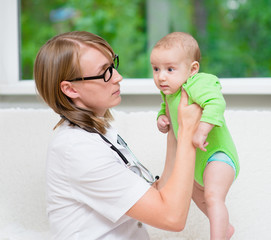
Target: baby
{"x":175,"y":62}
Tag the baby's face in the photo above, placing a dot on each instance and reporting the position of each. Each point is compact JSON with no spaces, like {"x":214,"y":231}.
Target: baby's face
{"x":170,"y":68}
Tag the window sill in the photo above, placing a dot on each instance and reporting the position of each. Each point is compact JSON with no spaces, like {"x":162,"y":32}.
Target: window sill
{"x":231,"y":86}
{"x":26,"y":87}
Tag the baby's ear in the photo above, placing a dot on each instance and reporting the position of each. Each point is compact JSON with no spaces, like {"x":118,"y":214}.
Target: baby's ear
{"x":194,"y":68}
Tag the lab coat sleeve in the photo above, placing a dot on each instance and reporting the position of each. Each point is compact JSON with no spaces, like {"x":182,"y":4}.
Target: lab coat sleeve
{"x":99,"y":180}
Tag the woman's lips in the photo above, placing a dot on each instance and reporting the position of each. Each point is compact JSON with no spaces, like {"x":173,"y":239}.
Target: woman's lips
{"x":116,"y":92}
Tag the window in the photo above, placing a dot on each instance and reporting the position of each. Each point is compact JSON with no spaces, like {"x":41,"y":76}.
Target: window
{"x":121,"y":23}
{"x":9,"y":61}
{"x":234,"y":39}
{"x":228,"y":32}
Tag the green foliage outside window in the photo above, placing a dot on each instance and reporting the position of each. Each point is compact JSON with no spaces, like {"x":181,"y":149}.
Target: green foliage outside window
{"x":238,"y":39}
{"x":234,"y":35}
{"x":121,"y":23}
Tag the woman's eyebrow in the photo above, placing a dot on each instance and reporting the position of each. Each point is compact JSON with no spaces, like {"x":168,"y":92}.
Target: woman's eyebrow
{"x":103,"y":67}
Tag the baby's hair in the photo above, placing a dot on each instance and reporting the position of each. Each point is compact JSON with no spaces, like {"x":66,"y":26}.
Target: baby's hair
{"x":183,"y":40}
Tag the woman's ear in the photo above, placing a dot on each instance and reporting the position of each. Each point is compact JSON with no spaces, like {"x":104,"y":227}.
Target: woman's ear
{"x":194,"y":68}
{"x":68,"y":89}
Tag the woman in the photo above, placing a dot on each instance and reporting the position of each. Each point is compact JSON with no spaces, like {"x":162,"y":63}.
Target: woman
{"x":92,"y":193}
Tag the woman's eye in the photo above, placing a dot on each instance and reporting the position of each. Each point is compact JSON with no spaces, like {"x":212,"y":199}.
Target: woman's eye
{"x":105,"y":67}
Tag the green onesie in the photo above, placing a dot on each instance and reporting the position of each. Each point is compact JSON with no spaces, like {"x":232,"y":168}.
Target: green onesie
{"x":205,"y":90}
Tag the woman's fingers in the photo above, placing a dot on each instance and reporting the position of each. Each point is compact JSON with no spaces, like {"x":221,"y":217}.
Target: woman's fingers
{"x":188,"y":115}
{"x":184,"y":98}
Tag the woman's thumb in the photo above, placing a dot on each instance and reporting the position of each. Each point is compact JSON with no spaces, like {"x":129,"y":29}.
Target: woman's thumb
{"x":184,"y":98}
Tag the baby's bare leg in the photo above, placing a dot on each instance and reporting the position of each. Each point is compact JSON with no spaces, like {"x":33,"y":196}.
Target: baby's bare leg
{"x":218,"y":177}
{"x":198,"y":197}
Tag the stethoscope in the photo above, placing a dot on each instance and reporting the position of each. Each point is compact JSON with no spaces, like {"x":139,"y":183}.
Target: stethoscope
{"x":138,"y":167}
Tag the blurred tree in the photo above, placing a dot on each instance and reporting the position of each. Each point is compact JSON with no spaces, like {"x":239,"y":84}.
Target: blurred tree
{"x":252,"y":37}
{"x":121,"y":23}
{"x":237,"y":41}
{"x":234,"y":35}
{"x":36,"y":28}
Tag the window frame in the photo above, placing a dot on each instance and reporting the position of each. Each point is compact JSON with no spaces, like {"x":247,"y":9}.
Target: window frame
{"x":10,"y":83}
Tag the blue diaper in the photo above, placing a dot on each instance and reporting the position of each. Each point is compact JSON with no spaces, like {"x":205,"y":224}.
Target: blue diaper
{"x":222,"y":157}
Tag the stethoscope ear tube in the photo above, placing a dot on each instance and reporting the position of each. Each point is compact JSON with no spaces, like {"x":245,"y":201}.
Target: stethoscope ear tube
{"x":115,"y":149}
{"x":138,"y":168}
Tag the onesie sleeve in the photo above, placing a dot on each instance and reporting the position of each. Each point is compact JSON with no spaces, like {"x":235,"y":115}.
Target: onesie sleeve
{"x":205,"y":90}
{"x":163,"y":106}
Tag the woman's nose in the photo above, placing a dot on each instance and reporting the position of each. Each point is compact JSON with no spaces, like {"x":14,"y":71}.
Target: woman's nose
{"x":116,"y":76}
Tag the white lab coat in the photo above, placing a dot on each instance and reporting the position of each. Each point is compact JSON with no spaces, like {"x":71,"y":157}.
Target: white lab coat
{"x":89,"y":188}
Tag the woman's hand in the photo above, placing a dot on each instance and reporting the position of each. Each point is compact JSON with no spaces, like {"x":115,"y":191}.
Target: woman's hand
{"x":188,"y":115}
{"x":166,"y":205}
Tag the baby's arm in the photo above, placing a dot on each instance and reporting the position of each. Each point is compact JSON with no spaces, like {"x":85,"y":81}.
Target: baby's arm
{"x":199,"y":139}
{"x":163,"y":123}
{"x":205,"y":90}
{"x":162,"y":120}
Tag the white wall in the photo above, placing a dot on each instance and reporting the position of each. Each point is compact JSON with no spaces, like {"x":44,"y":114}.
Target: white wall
{"x":145,"y":102}
{"x":23,"y":141}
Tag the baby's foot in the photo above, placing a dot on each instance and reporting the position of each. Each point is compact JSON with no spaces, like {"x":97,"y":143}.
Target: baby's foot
{"x":230,"y":232}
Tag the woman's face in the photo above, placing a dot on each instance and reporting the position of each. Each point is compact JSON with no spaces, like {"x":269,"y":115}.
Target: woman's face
{"x":96,"y":95}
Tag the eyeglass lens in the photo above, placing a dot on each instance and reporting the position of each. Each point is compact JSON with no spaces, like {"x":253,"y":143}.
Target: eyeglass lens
{"x":108,"y":74}
{"x":116,"y":61}
{"x":109,"y":70}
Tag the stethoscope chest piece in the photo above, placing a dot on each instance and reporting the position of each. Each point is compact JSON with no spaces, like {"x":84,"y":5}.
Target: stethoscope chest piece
{"x":136,"y":170}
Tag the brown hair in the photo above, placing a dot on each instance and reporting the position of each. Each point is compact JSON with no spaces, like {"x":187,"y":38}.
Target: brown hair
{"x":57,"y":61}
{"x":183,"y":40}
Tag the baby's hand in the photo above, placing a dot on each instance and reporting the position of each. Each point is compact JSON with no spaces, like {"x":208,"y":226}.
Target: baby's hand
{"x":163,"y":123}
{"x":199,"y":141}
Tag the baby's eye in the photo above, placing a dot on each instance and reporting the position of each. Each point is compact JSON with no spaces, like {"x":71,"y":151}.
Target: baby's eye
{"x":155,"y":69}
{"x":170,"y":69}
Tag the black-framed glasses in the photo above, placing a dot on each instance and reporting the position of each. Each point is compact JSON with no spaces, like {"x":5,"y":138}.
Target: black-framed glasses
{"x":106,"y":76}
